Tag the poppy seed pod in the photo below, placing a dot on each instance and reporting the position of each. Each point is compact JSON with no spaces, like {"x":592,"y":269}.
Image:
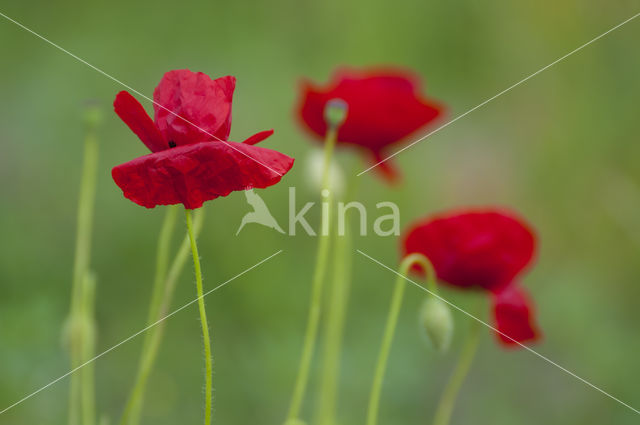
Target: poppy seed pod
{"x":437,"y":322}
{"x":335,"y":112}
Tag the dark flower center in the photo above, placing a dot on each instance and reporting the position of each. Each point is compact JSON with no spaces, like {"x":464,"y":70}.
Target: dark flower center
{"x":172,"y":144}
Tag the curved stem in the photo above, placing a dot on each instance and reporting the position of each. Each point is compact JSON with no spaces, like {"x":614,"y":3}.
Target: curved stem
{"x":133,"y":408}
{"x":445,"y":407}
{"x":208,"y":392}
{"x":392,"y":321}
{"x":313,"y":319}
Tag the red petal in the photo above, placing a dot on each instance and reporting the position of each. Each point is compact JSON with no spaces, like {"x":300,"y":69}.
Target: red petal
{"x":514,"y":316}
{"x":386,"y":168}
{"x":204,"y":103}
{"x":133,"y":114}
{"x":481,"y":248}
{"x":196,"y":173}
{"x":258,"y":137}
{"x":385,"y":106}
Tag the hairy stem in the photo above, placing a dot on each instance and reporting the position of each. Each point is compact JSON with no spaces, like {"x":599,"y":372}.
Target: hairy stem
{"x":208,"y":361}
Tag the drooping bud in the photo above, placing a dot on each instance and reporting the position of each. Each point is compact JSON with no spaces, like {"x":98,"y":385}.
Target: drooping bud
{"x":437,"y":322}
{"x":335,"y":112}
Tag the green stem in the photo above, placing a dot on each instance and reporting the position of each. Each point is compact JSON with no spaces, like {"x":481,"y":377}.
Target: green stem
{"x":336,"y":316}
{"x":87,"y":395}
{"x":133,"y":408}
{"x":392,"y":321}
{"x":336,"y":312}
{"x":313,"y":319}
{"x":445,"y":407}
{"x":86,"y":203}
{"x":208,"y":392}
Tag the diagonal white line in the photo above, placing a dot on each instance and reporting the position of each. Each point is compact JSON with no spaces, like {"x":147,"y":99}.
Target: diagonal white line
{"x":501,"y":333}
{"x":133,"y":90}
{"x":500,"y":94}
{"x":136,"y":334}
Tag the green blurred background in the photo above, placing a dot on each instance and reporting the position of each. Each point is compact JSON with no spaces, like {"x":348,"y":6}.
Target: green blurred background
{"x":562,"y":149}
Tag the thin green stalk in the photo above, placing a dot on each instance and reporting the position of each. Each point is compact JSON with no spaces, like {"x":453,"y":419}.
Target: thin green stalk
{"x":448,"y":400}
{"x":336,"y":316}
{"x":336,"y":312}
{"x":133,"y":408}
{"x":88,"y":398}
{"x":313,"y":319}
{"x":86,"y":203}
{"x":208,"y":391}
{"x":392,"y":321}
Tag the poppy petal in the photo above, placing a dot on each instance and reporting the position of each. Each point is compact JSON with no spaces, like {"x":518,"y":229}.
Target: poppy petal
{"x":386,"y":168}
{"x":514,"y":316}
{"x":385,"y":106}
{"x":194,"y":107}
{"x":196,"y":173}
{"x":474,"y":248}
{"x":133,"y":114}
{"x":258,"y":137}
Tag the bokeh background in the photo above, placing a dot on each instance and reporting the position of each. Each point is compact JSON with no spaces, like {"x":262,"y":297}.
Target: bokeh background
{"x":562,"y":149}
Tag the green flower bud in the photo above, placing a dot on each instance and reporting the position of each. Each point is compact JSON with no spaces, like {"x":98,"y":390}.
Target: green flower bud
{"x":437,"y":321}
{"x":335,"y":112}
{"x":92,"y":114}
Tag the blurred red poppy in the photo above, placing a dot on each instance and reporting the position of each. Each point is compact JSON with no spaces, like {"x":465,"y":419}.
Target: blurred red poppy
{"x":385,"y":106}
{"x":486,"y":250}
{"x":192,"y":160}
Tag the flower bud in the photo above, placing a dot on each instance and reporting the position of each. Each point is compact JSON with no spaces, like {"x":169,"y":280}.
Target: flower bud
{"x":335,"y":112}
{"x":92,"y":114}
{"x":436,"y":320}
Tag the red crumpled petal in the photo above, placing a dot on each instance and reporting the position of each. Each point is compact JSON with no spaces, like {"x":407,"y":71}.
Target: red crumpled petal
{"x":385,"y":106}
{"x":474,"y":248}
{"x":196,"y":173}
{"x":513,"y":313}
{"x":258,"y":137}
{"x":133,"y":114}
{"x":194,"y":96}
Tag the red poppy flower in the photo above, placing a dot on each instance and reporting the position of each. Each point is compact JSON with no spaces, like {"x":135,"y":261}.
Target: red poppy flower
{"x":192,"y":161}
{"x":385,"y":106}
{"x":484,"y":250}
